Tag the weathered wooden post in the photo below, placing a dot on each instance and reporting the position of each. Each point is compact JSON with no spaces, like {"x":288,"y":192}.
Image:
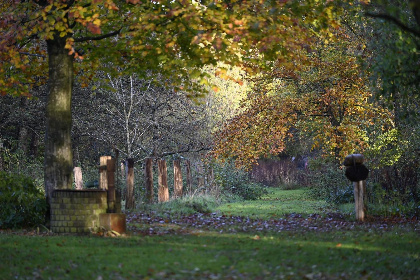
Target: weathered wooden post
{"x":110,"y":170}
{"x":357,"y":172}
{"x":103,"y":181}
{"x":163,"y":190}
{"x":200,"y":171}
{"x":78,"y":179}
{"x":117,"y":183}
{"x":112,"y":220}
{"x":130,"y":202}
{"x":177,"y":179}
{"x":148,"y":173}
{"x":189,"y":176}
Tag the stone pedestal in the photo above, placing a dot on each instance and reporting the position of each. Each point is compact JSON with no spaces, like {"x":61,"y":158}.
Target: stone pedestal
{"x":77,"y":211}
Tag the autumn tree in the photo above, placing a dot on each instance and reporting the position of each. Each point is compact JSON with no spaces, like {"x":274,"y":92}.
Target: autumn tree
{"x":327,"y":101}
{"x":172,"y":36}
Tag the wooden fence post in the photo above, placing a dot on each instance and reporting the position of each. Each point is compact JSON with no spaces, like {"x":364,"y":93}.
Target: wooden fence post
{"x":130,"y":202}
{"x":110,"y":170}
{"x":177,"y":179}
{"x":189,"y":176}
{"x":103,"y":181}
{"x":201,"y":175}
{"x":163,"y":190}
{"x":78,"y":179}
{"x":148,"y":172}
{"x":359,"y":200}
{"x":357,"y":173}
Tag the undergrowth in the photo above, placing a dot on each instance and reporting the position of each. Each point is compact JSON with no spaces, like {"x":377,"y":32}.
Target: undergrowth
{"x":22,"y":203}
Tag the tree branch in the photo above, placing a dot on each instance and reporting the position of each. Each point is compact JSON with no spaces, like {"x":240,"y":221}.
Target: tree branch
{"x":395,"y":21}
{"x":97,"y":38}
{"x":188,"y":150}
{"x":32,"y":54}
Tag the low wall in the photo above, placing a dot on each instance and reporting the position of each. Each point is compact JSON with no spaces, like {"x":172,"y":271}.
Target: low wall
{"x":77,"y":211}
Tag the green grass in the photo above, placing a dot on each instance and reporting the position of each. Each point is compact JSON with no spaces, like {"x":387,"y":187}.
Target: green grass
{"x":364,"y":252}
{"x":349,"y":255}
{"x":277,"y":203}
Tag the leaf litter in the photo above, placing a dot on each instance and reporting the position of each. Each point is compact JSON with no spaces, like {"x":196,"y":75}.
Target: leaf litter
{"x":152,"y":224}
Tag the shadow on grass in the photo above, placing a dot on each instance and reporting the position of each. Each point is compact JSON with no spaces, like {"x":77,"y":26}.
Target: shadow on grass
{"x":211,"y":255}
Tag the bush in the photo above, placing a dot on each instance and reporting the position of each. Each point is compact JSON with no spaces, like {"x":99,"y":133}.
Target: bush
{"x":329,"y":182}
{"x":22,"y":203}
{"x":236,"y":182}
{"x":385,"y":202}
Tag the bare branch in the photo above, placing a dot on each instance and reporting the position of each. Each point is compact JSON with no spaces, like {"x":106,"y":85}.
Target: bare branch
{"x":97,"y":38}
{"x":395,"y":21}
{"x":32,"y":54}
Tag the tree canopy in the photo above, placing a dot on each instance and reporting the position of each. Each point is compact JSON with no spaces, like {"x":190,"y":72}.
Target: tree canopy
{"x":175,"y":37}
{"x":327,"y":101}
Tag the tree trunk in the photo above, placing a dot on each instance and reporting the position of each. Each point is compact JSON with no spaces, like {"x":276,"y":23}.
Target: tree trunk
{"x":163,"y":191}
{"x":58,"y":165}
{"x":177,"y":179}
{"x":129,"y":202}
{"x":148,"y":172}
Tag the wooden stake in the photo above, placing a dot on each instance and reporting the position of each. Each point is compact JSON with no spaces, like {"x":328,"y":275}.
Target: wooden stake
{"x":78,"y":179}
{"x":358,"y":199}
{"x":148,"y":173}
{"x":103,"y":181}
{"x":177,"y":179}
{"x":189,"y":176}
{"x":110,"y":170}
{"x":130,"y":202}
{"x":163,"y":190}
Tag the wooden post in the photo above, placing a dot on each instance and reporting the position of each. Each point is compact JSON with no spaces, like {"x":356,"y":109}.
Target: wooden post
{"x":210,"y":176}
{"x":117,"y":183}
{"x":103,"y":182}
{"x":110,"y":170}
{"x":189,"y":176}
{"x":130,"y":202}
{"x":78,"y":179}
{"x":148,"y":173}
{"x":359,"y":200}
{"x":177,"y":179}
{"x":163,"y":190}
{"x":357,"y":173}
{"x":123,"y":179}
{"x":200,"y":171}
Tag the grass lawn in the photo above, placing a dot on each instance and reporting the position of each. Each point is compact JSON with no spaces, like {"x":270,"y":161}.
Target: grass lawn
{"x":191,"y":251}
{"x":276,"y":203}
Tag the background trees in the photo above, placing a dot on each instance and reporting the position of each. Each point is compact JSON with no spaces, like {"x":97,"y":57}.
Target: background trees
{"x":327,"y":102}
{"x":131,"y":64}
{"x":163,"y":35}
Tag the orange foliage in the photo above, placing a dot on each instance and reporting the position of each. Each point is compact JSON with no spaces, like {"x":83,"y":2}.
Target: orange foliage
{"x":327,"y":102}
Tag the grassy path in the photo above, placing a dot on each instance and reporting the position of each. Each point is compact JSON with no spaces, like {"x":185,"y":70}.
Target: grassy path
{"x":275,"y":204}
{"x":215,"y":246}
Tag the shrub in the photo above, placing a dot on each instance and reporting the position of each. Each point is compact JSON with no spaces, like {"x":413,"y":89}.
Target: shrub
{"x":329,"y":182}
{"x":22,"y":203}
{"x":236,"y":181}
